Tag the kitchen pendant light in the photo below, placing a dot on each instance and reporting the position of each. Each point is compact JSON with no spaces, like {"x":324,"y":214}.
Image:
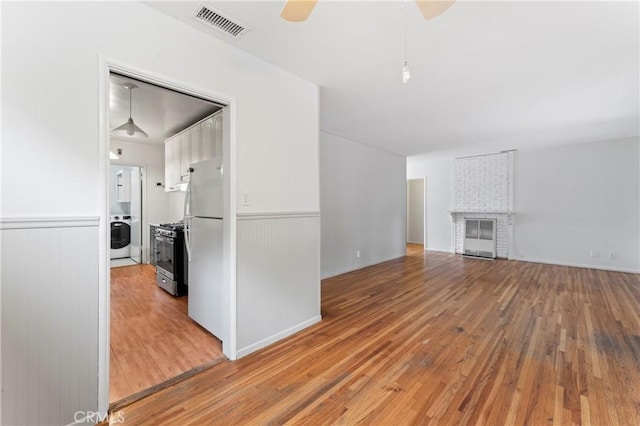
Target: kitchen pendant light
{"x":130,"y":127}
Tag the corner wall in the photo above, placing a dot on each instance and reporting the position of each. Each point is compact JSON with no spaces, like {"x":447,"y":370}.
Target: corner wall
{"x":362,"y":204}
{"x":575,"y":199}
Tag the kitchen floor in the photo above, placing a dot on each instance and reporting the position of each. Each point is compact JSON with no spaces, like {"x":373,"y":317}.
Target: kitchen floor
{"x":152,"y":337}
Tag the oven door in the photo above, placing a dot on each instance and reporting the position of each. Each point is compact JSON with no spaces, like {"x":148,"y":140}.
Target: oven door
{"x":166,"y":259}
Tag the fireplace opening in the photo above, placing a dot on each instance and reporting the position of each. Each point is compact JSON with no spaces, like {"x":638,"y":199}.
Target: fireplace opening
{"x":480,"y":238}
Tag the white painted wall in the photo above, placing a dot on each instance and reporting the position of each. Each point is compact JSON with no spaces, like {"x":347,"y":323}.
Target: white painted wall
{"x":37,"y":105}
{"x":363,"y":205}
{"x":49,"y":357}
{"x":265,"y":275}
{"x":415,"y":211}
{"x":50,"y":75}
{"x":438,"y":198}
{"x":573,"y":199}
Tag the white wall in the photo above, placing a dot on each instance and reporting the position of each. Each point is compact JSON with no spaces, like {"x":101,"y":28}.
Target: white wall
{"x":415,"y":211}
{"x":437,"y":200}
{"x":363,"y":205}
{"x":50,"y":97}
{"x":37,"y":104}
{"x":573,"y":199}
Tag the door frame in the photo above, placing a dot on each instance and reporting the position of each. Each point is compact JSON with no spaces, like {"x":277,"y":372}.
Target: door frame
{"x":144,"y":258}
{"x":106,"y":65}
{"x":424,"y":211}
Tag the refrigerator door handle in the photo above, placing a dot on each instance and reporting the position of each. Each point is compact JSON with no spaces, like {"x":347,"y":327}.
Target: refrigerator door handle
{"x":187,"y":221}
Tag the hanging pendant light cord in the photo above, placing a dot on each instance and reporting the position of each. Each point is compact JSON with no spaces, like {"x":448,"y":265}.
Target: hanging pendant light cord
{"x":130,"y":102}
{"x":405,"y":33}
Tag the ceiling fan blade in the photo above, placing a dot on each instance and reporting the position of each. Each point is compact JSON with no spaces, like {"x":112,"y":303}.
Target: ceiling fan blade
{"x":433,"y":8}
{"x":297,"y":10}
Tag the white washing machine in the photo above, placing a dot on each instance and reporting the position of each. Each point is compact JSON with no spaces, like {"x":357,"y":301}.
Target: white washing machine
{"x":120,"y":236}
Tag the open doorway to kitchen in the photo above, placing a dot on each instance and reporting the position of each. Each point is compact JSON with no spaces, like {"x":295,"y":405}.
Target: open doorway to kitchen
{"x":416,"y":235}
{"x":156,"y":134}
{"x":125,"y":214}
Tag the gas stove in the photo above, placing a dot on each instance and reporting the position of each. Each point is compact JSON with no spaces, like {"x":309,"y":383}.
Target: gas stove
{"x":171,"y":266}
{"x":170,"y":229}
{"x":176,"y":226}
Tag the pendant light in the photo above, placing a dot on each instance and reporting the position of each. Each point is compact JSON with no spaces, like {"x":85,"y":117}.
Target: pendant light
{"x":130,"y":127}
{"x":406,"y":74}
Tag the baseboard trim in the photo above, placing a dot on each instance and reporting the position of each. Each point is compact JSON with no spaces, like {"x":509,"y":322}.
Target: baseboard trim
{"x":358,"y":267}
{"x":438,"y":250}
{"x":49,"y":222}
{"x":276,"y":337}
{"x":415,"y":242}
{"x":576,"y":265}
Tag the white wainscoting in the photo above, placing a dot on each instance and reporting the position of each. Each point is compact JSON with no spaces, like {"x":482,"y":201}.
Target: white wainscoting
{"x":49,"y":319}
{"x":278,"y":276}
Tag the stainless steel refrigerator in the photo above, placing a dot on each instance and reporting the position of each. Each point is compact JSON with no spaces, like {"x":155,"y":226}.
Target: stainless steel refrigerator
{"x":204,"y":241}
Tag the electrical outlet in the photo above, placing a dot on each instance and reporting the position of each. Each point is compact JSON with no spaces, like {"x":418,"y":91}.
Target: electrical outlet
{"x":594,"y":253}
{"x":358,"y":254}
{"x":613,"y":255}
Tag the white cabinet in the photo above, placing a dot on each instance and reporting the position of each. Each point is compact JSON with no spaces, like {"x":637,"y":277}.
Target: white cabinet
{"x":195,"y":144}
{"x":123,"y":186}
{"x":201,"y":141}
{"x":207,"y":136}
{"x":185,"y":156}
{"x":217,"y":134}
{"x":172,"y":163}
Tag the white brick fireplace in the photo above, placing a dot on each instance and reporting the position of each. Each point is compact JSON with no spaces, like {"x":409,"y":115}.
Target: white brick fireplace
{"x":483,"y":189}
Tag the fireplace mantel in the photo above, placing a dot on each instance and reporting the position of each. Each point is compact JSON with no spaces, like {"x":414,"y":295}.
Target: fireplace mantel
{"x":455,"y":212}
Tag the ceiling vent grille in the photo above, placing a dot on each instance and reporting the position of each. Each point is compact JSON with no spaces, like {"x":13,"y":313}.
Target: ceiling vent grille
{"x":216,"y":20}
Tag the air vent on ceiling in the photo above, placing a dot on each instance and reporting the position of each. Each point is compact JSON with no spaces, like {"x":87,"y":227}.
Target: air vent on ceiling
{"x":216,"y":20}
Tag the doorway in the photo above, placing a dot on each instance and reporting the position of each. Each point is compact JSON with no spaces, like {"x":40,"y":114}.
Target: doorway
{"x":416,"y":211}
{"x":125,"y":214}
{"x":152,"y":341}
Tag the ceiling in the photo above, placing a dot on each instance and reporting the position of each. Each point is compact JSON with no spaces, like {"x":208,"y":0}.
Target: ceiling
{"x":160,"y":112}
{"x":486,"y":76}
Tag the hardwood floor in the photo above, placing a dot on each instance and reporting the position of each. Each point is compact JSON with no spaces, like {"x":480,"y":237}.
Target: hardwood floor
{"x":152,"y":337}
{"x":434,"y":338}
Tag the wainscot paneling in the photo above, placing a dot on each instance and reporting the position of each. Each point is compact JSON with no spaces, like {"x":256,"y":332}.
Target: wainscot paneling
{"x":49,"y":319}
{"x":278,"y":276}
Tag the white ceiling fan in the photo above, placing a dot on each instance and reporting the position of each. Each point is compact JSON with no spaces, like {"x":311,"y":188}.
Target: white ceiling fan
{"x":299,"y":10}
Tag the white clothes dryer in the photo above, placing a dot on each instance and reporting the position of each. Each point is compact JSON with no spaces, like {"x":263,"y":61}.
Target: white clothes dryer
{"x":120,"y":236}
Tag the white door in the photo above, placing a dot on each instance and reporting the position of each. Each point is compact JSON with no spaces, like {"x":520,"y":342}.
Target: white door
{"x":206,"y":287}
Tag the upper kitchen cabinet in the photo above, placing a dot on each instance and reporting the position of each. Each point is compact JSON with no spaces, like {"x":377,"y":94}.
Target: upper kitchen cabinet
{"x":172,"y":163}
{"x":123,"y":186}
{"x":211,"y":130}
{"x":207,"y":134}
{"x":185,"y":155}
{"x":217,"y":134}
{"x":201,"y":141}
